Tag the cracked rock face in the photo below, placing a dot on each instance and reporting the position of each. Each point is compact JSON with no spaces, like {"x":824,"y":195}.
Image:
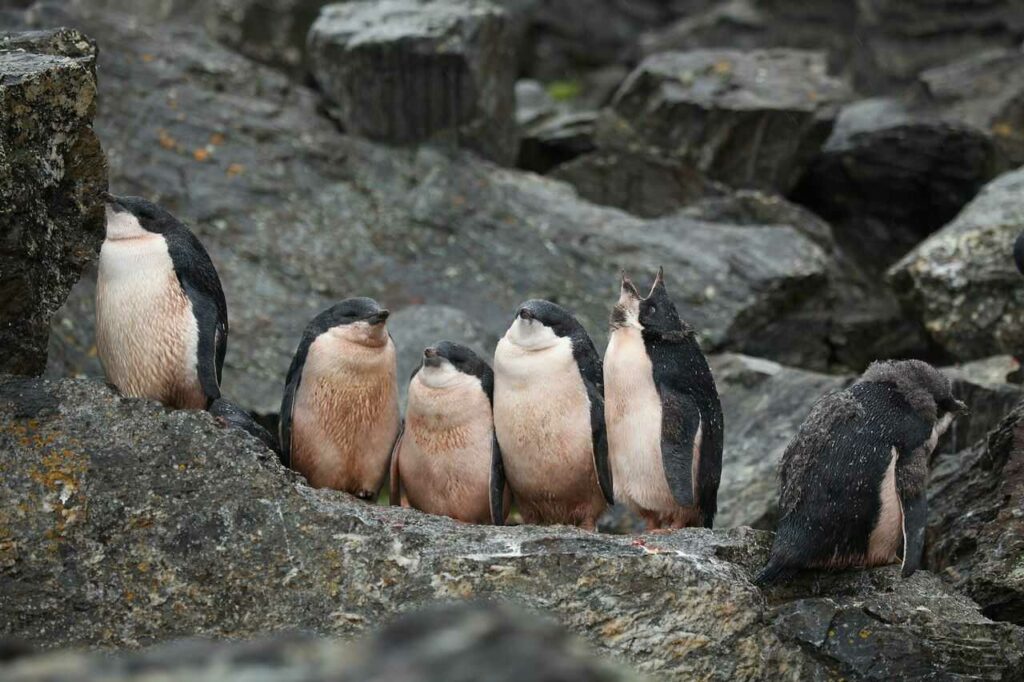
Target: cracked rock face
{"x":51,"y":172}
{"x":125,"y":524}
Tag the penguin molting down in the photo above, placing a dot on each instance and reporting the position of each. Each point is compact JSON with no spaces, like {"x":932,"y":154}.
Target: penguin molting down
{"x":852,"y":481}
{"x":339,"y":416}
{"x":549,"y":417}
{"x":662,"y":412}
{"x":161,"y":317}
{"x":447,"y":459}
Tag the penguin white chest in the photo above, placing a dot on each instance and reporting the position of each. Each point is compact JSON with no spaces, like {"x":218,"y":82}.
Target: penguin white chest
{"x":146,"y":333}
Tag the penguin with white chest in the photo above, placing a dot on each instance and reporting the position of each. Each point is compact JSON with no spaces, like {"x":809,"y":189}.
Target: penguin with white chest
{"x":447,"y":460}
{"x":663,"y":414}
{"x":339,"y":415}
{"x":852,"y":481}
{"x":161,"y":316}
{"x":549,"y":417}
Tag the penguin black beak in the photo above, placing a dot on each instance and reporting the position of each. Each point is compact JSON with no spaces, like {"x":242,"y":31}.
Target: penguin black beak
{"x":525,"y":314}
{"x":960,"y":408}
{"x":379,"y":318}
{"x":431,"y":358}
{"x":627,"y":286}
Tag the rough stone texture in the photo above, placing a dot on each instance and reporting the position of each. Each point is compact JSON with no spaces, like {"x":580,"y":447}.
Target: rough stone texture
{"x":976,"y":529}
{"x":269,"y":31}
{"x":889,"y":176}
{"x":985,"y":90}
{"x":125,"y":524}
{"x":983,"y":385}
{"x":556,"y":140}
{"x":410,"y":71}
{"x":457,"y":642}
{"x":51,"y":172}
{"x":961,"y":282}
{"x":749,"y":119}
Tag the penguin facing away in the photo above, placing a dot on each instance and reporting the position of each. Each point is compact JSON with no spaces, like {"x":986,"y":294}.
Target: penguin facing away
{"x":549,"y":417}
{"x":663,"y":414}
{"x":339,"y":414}
{"x":852,"y":481}
{"x":447,"y":460}
{"x":161,"y":316}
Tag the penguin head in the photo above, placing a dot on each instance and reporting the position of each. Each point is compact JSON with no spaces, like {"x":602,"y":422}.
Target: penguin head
{"x":657,"y":311}
{"x":358,"y":320}
{"x":540,"y":324}
{"x":447,"y":364}
{"x":134,"y":217}
{"x":927,"y":390}
{"x":626,"y":312}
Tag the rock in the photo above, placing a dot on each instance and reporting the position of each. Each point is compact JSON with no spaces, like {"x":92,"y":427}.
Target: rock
{"x":458,"y":641}
{"x":976,"y":530}
{"x":889,"y":176}
{"x":52,"y":170}
{"x":748,"y":119}
{"x":409,"y":71}
{"x":556,"y":140}
{"x":269,"y":31}
{"x":126,"y":524}
{"x":984,"y":90}
{"x":961,"y":282}
{"x":763,"y":404}
{"x":983,"y":385}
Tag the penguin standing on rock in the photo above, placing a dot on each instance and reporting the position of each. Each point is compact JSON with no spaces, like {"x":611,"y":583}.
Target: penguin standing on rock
{"x":662,"y":411}
{"x":339,"y":415}
{"x":161,"y":317}
{"x":549,"y":417}
{"x":447,"y":460}
{"x":852,"y":481}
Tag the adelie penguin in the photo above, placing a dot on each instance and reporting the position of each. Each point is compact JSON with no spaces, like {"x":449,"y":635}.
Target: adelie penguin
{"x":161,"y":317}
{"x":549,"y":417}
{"x":662,"y":412}
{"x":447,"y":460}
{"x":852,"y":481}
{"x":339,"y":415}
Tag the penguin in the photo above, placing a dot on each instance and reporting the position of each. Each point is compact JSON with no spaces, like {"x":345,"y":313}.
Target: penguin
{"x":447,"y":460}
{"x":549,"y":417}
{"x":852,"y":481}
{"x":1018,"y":253}
{"x":161,"y":316}
{"x":230,"y":415}
{"x":663,"y":414}
{"x":339,"y":414}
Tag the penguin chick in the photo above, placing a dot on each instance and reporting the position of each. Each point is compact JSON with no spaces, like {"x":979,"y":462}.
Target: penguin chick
{"x":161,"y":317}
{"x":446,"y":460}
{"x":549,"y":417}
{"x":339,"y":415}
{"x":230,"y":415}
{"x":852,"y":481}
{"x":662,"y":411}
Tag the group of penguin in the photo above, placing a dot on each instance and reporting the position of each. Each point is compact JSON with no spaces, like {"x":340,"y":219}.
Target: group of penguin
{"x":552,"y":426}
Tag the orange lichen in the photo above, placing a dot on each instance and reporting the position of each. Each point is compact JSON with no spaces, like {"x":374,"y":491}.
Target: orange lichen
{"x":166,"y":141}
{"x":201,"y":154}
{"x":235,"y":169}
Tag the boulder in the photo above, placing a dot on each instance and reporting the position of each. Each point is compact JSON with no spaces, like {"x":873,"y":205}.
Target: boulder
{"x":443,"y":643}
{"x":962,"y":283}
{"x":126,"y":524}
{"x":888,"y":176}
{"x":984,"y":385}
{"x":555,"y":140}
{"x":52,"y":171}
{"x":976,"y":529}
{"x":269,"y":31}
{"x":748,"y":119}
{"x":411,"y":71}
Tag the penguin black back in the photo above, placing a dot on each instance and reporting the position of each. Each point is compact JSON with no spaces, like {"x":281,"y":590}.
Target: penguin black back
{"x":1018,"y":253}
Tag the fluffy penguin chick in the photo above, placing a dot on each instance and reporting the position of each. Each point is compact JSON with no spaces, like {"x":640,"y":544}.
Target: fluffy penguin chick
{"x":549,"y":417}
{"x":161,"y":317}
{"x":662,"y":411}
{"x":852,"y":481}
{"x":446,"y":461}
{"x":339,"y":416}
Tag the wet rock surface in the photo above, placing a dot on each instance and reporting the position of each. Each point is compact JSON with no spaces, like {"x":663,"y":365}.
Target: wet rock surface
{"x":51,"y":172}
{"x":212,"y":537}
{"x":962,"y":283}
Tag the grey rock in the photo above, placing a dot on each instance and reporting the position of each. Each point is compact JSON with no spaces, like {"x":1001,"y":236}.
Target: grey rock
{"x":269,"y":31}
{"x":126,"y":524}
{"x":976,"y":529}
{"x":890,"y":175}
{"x":556,"y":140}
{"x":409,"y":71}
{"x":983,"y":385}
{"x":52,"y":170}
{"x":455,"y":642}
{"x":962,"y":283}
{"x":749,"y":119}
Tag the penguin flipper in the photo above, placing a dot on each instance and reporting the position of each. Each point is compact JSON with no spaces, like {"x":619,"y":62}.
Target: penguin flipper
{"x":496,"y":492}
{"x":395,"y":488}
{"x":680,"y":431}
{"x":599,"y":438}
{"x":284,"y":429}
{"x":915,"y":519}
